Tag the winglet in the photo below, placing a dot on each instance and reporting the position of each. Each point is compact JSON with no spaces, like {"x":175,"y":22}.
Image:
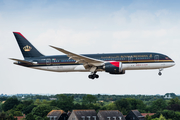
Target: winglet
{"x":52,"y":46}
{"x":56,"y":48}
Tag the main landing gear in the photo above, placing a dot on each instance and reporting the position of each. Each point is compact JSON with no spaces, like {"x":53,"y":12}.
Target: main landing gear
{"x":93,"y":75}
{"x":160,"y":73}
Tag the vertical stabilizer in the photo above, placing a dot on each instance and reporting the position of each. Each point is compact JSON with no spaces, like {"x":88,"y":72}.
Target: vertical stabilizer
{"x":27,"y":49}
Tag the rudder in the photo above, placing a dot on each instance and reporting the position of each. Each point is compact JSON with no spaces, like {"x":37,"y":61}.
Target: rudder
{"x":27,"y":49}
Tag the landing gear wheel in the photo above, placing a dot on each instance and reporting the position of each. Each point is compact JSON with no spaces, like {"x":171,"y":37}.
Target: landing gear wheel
{"x":90,"y":76}
{"x":159,"y":73}
{"x":93,"y":75}
{"x":97,"y":76}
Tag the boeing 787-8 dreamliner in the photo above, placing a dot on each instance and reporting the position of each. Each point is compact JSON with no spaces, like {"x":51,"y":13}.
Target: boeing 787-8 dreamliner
{"x":114,"y":63}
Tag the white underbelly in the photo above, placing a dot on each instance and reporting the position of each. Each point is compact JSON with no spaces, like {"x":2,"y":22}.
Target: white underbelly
{"x":67,"y":68}
{"x":129,"y":66}
{"x":137,"y":66}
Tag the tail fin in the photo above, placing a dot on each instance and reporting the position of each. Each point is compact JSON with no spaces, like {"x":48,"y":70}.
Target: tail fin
{"x":27,"y":49}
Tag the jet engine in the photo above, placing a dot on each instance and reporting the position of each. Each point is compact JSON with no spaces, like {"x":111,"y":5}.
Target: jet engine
{"x":114,"y":68}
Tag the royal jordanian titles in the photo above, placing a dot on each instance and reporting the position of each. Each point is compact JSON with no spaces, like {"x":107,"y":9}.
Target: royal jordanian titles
{"x":114,"y":63}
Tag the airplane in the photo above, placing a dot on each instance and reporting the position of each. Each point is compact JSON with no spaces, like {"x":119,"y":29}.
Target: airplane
{"x":113,"y":63}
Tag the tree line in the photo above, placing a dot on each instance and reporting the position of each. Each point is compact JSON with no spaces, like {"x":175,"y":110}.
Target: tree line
{"x":78,"y":97}
{"x":37,"y":109}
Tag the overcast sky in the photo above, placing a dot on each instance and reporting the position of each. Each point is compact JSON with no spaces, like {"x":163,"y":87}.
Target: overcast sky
{"x":90,"y":26}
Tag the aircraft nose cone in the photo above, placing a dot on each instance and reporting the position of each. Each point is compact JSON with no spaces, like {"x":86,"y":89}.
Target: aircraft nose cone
{"x":173,"y":63}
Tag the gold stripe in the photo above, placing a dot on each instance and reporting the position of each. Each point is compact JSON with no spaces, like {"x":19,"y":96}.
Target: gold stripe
{"x":118,"y":61}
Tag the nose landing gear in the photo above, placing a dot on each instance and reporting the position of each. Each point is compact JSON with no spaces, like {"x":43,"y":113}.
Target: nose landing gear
{"x":160,"y":73}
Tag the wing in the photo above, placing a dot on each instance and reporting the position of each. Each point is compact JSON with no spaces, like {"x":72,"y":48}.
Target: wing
{"x":86,"y":61}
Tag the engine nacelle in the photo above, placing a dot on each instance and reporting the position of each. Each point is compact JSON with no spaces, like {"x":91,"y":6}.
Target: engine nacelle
{"x":114,"y":68}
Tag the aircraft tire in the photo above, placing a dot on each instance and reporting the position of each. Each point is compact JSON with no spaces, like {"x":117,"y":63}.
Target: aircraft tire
{"x":93,"y":76}
{"x":97,"y":76}
{"x":90,"y":76}
{"x":159,"y":73}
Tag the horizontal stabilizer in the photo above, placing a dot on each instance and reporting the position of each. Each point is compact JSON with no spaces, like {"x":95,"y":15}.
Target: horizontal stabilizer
{"x":22,"y":61}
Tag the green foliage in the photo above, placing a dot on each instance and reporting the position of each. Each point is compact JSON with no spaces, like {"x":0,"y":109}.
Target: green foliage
{"x":110,"y":106}
{"x":168,"y":114}
{"x":55,"y":108}
{"x":37,"y":102}
{"x":18,"y":107}
{"x":53,"y":103}
{"x":46,"y":102}
{"x":38,"y":106}
{"x":3,"y":98}
{"x":65,"y":102}
{"x":6,"y":116}
{"x":137,"y":104}
{"x":148,"y":117}
{"x":147,"y":99}
{"x":38,"y":118}
{"x":89,"y":102}
{"x":15,"y":113}
{"x":174,"y":107}
{"x":78,"y":106}
{"x":174,"y":101}
{"x":10,"y":103}
{"x":30,"y":116}
{"x":0,"y":107}
{"x":28,"y":102}
{"x":123,"y":105}
{"x":177,"y":115}
{"x":95,"y":106}
{"x":158,"y":105}
{"x":45,"y":118}
{"x":161,"y":117}
{"x":10,"y":117}
{"x":89,"y":99}
{"x":3,"y":116}
{"x":41,"y":110}
{"x":26,"y":110}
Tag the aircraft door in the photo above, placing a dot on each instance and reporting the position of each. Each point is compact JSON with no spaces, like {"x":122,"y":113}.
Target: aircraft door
{"x":156,"y":58}
{"x":130,"y":59}
{"x":48,"y":61}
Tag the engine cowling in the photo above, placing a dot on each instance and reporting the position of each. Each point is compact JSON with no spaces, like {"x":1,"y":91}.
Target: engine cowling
{"x":114,"y":68}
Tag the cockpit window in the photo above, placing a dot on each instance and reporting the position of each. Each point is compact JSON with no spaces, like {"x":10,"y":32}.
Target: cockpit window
{"x":167,"y":58}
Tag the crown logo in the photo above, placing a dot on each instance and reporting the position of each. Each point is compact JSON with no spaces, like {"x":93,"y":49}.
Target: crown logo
{"x":27,"y":48}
